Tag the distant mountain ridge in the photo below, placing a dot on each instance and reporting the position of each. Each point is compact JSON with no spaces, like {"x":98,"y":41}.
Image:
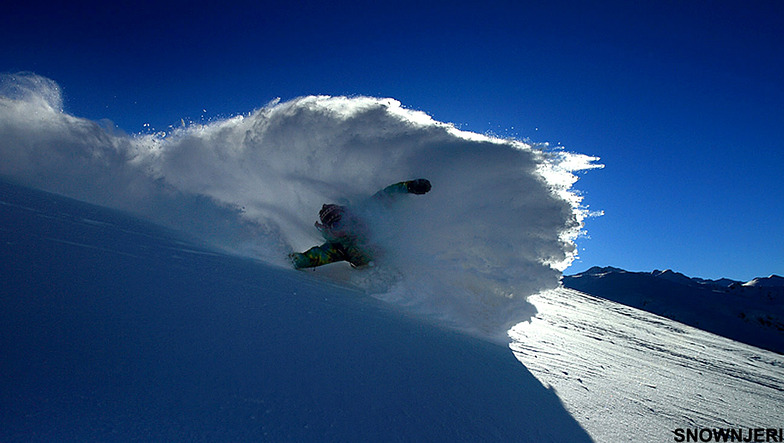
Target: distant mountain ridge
{"x":750,"y":312}
{"x":769,"y":282}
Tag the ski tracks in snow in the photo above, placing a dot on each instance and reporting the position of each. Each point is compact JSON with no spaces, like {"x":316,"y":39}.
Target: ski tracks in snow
{"x":628,"y":375}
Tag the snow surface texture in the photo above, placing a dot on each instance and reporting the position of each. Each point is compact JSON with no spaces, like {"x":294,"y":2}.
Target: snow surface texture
{"x":498,"y":225}
{"x":116,"y":330}
{"x":629,"y":375}
{"x":751,"y":312}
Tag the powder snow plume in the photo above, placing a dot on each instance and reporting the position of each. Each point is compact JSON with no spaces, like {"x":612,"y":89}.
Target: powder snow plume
{"x":498,"y":225}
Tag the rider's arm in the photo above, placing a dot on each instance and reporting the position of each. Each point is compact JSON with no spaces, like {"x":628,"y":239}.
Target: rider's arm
{"x":418,"y":186}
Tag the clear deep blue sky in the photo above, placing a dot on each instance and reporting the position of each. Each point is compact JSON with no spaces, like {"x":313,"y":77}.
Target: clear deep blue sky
{"x":682,"y":100}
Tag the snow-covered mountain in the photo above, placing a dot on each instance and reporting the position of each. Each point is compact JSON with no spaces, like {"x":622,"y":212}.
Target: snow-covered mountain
{"x":750,"y":312}
{"x":773,"y":281}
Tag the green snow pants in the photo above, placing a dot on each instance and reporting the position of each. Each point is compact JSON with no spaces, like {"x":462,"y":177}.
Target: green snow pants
{"x":330,"y":253}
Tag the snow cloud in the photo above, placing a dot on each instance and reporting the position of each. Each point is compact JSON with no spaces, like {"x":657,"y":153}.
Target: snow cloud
{"x":498,"y":225}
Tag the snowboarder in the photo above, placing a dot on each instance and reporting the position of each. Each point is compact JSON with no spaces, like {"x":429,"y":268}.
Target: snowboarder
{"x":346,"y":233}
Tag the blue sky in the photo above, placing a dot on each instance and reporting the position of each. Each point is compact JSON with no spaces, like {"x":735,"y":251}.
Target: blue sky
{"x":681,"y":100}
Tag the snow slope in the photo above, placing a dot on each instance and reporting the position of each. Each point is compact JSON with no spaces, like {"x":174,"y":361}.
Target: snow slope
{"x":629,"y":375}
{"x":112,"y":329}
{"x":752,"y":312}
